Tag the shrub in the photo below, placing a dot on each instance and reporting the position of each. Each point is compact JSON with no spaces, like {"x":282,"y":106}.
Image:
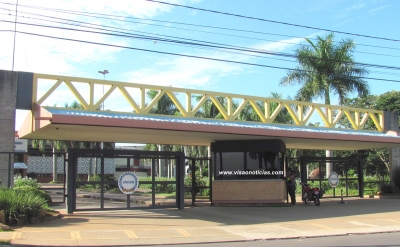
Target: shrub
{"x":396,"y":177}
{"x":22,"y":206}
{"x":97,"y":186}
{"x":19,"y":181}
{"x":386,"y":188}
{"x":200,"y":181}
{"x":38,"y":192}
{"x":168,"y":188}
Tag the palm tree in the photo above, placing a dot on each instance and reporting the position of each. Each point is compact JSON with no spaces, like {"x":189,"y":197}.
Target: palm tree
{"x":164,"y":106}
{"x":327,"y":67}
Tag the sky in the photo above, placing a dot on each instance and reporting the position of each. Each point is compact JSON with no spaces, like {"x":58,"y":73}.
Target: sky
{"x":50,"y":55}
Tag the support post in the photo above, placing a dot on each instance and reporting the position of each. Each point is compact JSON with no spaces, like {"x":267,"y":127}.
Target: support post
{"x":391,"y":123}
{"x":71,"y":200}
{"x":8,"y":103}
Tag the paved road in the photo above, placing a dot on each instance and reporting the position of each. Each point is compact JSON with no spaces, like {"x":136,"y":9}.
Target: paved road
{"x":361,"y":240}
{"x":211,"y":224}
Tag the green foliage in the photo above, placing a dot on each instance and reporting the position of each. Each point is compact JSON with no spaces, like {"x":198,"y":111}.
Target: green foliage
{"x":164,"y":106}
{"x":389,"y":101}
{"x":19,"y":181}
{"x":168,"y":188}
{"x":24,"y":206}
{"x":97,"y":178}
{"x":200,"y":182}
{"x":36,"y":191}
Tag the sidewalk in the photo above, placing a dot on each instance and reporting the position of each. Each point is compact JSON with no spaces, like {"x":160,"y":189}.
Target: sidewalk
{"x":211,"y":224}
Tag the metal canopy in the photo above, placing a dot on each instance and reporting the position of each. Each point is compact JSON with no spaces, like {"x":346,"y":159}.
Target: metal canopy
{"x":134,"y":128}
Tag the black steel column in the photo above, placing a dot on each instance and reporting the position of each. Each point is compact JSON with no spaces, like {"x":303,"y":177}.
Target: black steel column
{"x":193,"y":168}
{"x":71,"y":193}
{"x":64,"y":177}
{"x":360,"y":167}
{"x":153,"y":182}
{"x":303,"y":170}
{"x":211,"y":174}
{"x":128,"y":196}
{"x":101,"y":180}
{"x":181,"y":182}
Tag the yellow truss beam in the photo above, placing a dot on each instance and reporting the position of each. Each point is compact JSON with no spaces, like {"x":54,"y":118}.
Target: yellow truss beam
{"x":300,"y":112}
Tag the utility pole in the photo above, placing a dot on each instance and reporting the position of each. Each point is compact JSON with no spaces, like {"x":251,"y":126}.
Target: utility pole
{"x":104,"y":72}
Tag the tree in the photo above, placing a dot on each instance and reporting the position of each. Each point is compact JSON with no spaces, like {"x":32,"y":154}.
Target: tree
{"x":327,"y":67}
{"x":389,"y":101}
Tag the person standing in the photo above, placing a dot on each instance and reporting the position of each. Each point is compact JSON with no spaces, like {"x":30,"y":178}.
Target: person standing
{"x":291,"y":185}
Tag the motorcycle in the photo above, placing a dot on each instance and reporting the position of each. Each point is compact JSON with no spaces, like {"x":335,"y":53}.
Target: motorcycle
{"x":310,"y":194}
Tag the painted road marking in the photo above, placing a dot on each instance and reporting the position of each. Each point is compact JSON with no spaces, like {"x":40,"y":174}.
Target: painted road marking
{"x":184,"y":233}
{"x":358,"y":223}
{"x":131,"y":234}
{"x":322,"y":226}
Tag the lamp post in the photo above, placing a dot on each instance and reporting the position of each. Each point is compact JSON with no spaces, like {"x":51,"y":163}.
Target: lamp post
{"x":104,"y":72}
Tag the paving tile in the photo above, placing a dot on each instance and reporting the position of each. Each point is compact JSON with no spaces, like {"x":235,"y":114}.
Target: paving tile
{"x":157,"y":233}
{"x":198,"y":232}
{"x":117,"y":234}
{"x":46,"y":235}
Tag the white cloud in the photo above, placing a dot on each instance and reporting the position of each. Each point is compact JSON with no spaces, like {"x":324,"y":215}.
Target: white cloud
{"x":52,"y":56}
{"x":378,"y":9}
{"x":183,"y":72}
{"x":356,"y":7}
{"x":279,"y":45}
{"x":198,"y":73}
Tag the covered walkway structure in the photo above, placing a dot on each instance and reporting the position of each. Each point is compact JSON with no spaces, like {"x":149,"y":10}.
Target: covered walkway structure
{"x":124,"y":112}
{"x":128,"y":117}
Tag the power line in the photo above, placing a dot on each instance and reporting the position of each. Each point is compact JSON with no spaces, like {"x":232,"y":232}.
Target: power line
{"x":364,"y":64}
{"x":191,"y":56}
{"x":277,"y":22}
{"x":102,"y":16}
{"x":209,"y":45}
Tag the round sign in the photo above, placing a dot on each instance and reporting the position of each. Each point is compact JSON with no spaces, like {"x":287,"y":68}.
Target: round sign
{"x":128,"y":182}
{"x":333,"y":179}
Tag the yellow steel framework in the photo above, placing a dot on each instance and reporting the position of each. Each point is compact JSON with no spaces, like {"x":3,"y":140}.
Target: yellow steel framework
{"x":229,"y":105}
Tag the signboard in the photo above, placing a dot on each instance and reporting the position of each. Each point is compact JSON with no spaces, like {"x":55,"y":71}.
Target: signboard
{"x":333,"y":179}
{"x":20,"y":145}
{"x":128,"y":182}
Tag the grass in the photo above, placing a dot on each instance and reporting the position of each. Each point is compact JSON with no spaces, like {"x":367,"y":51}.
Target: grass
{"x":5,"y":241}
{"x":54,"y":182}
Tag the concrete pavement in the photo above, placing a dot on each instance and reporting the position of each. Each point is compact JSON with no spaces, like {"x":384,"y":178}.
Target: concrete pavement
{"x":211,"y":224}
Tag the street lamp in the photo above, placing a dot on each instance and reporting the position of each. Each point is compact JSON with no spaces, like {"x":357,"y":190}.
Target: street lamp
{"x":104,"y":72}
